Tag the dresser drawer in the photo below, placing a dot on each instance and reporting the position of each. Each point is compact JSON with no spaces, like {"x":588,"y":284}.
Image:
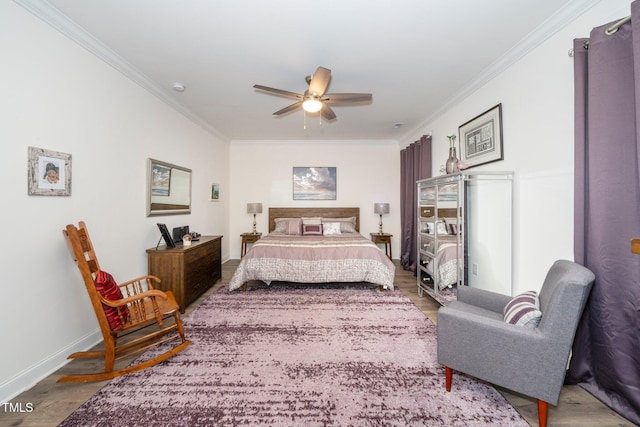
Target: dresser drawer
{"x":427,"y":244}
{"x":427,"y":211}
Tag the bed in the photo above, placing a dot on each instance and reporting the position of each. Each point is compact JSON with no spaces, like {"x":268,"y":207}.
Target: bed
{"x":312,"y":246}
{"x":447,"y":257}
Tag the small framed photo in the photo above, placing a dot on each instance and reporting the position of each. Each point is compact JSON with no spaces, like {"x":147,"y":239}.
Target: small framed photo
{"x":481,"y":138}
{"x":215,"y":193}
{"x":49,"y":173}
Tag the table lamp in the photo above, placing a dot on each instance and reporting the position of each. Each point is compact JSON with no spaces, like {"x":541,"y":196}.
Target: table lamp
{"x":254,"y":208}
{"x":381,"y":208}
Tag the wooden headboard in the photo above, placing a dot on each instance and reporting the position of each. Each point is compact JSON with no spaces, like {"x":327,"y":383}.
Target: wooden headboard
{"x":311,"y":212}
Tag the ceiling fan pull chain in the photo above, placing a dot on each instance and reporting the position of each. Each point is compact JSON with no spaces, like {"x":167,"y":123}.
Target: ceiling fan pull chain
{"x":304,"y":120}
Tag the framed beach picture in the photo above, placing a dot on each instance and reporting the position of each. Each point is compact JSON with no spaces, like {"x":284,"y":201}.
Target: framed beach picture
{"x":481,"y":138}
{"x":314,"y":183}
{"x":49,"y":173}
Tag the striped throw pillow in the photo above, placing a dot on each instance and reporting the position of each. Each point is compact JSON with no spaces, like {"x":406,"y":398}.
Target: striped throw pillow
{"x":523,"y":310}
{"x":108,"y":288}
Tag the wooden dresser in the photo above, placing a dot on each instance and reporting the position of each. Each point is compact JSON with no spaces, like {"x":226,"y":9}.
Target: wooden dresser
{"x":187,"y":271}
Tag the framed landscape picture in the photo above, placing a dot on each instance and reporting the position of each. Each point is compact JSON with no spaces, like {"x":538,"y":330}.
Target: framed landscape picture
{"x":481,"y":138}
{"x":314,"y":183}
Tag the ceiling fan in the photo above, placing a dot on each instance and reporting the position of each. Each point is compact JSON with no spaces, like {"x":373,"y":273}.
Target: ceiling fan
{"x":315,"y":99}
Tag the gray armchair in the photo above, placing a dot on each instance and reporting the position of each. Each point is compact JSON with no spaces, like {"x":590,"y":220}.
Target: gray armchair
{"x":474,"y":339}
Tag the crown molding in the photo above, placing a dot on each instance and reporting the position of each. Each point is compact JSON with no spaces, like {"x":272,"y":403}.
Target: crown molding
{"x":56,"y":19}
{"x":550,"y":27}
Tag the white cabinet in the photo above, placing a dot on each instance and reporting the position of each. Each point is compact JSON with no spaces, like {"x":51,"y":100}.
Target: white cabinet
{"x":464,"y":231}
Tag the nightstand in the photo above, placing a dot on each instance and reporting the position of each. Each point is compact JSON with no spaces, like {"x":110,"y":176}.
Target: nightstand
{"x":248,"y":238}
{"x":383,"y":239}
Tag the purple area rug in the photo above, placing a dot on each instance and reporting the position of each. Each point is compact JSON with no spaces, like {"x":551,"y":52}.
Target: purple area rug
{"x":300,"y":357}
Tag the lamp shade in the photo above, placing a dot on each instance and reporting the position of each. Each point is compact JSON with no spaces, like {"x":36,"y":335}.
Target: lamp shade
{"x":381,"y":208}
{"x":254,"y":208}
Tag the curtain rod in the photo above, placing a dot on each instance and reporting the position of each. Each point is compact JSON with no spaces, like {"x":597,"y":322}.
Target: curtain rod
{"x":615,"y":27}
{"x":609,"y":31}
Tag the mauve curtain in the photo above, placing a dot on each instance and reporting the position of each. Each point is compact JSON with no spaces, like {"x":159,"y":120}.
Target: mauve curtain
{"x":415,"y":164}
{"x":606,"y":351}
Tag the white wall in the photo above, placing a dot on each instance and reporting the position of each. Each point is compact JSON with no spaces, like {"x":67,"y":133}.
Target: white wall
{"x":60,"y":97}
{"x":536,"y":93}
{"x":262,"y":171}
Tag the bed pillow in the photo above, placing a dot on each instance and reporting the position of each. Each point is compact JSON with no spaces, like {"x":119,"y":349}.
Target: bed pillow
{"x":441,"y":227}
{"x":329,"y":228}
{"x":281,"y":224}
{"x":293,"y":227}
{"x":523,"y":310}
{"x":109,"y":289}
{"x":314,"y":220}
{"x":311,"y":229}
{"x":347,"y":225}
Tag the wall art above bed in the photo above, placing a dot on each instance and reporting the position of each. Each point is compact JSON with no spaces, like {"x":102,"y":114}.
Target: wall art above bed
{"x":314,"y":183}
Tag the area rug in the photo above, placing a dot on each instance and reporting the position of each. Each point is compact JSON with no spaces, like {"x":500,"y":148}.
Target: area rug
{"x":285,"y":356}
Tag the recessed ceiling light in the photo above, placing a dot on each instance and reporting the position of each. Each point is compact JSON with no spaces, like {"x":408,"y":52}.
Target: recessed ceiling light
{"x":397,"y":125}
{"x":178,"y":87}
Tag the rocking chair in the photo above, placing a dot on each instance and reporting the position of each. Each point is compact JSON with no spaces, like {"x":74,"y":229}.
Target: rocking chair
{"x":133,"y":316}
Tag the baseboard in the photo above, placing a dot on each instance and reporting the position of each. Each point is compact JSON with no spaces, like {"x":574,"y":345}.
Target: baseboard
{"x":30,"y":376}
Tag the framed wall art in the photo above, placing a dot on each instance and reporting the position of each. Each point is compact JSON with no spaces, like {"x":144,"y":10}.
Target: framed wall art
{"x":49,"y":173}
{"x":481,"y":138}
{"x":314,"y":183}
{"x":215,"y":192}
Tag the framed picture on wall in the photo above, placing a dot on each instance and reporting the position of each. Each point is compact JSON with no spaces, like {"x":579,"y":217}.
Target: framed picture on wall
{"x":481,"y":138}
{"x":314,"y":183}
{"x":49,"y":173}
{"x":215,"y":193}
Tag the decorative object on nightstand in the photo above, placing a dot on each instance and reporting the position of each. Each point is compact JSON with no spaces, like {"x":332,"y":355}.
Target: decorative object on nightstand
{"x":383,"y":239}
{"x":248,"y":238}
{"x":254,"y":208}
{"x":381,"y":208}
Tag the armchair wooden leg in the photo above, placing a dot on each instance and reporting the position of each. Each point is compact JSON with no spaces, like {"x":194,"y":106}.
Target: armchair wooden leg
{"x":448,"y":375}
{"x":543,"y":409}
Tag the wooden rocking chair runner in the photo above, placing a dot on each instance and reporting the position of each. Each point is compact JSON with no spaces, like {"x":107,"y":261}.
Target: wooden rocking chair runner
{"x":138,"y":318}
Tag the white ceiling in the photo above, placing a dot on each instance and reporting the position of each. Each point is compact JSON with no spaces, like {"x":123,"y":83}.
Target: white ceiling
{"x":415,"y":56}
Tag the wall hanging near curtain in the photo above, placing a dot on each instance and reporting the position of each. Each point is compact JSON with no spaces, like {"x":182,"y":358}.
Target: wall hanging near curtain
{"x":606,"y":353}
{"x":415,"y":164}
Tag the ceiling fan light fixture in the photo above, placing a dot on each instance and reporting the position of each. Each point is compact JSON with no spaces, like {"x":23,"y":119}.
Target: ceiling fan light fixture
{"x":312,"y":105}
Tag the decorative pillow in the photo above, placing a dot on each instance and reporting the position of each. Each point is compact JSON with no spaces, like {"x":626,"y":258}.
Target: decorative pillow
{"x":311,"y":229}
{"x":108,"y":288}
{"x":523,"y":310}
{"x":329,"y":228}
{"x":293,"y":227}
{"x":452,"y":225}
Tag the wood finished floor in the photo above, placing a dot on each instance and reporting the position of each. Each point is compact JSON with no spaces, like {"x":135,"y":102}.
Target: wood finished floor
{"x":53,"y":402}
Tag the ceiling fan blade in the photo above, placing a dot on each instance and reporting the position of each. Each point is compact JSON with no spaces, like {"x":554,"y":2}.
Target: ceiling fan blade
{"x":327,"y":112}
{"x":347,"y":97}
{"x":320,"y":81}
{"x":287,"y":109}
{"x":279,"y":91}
